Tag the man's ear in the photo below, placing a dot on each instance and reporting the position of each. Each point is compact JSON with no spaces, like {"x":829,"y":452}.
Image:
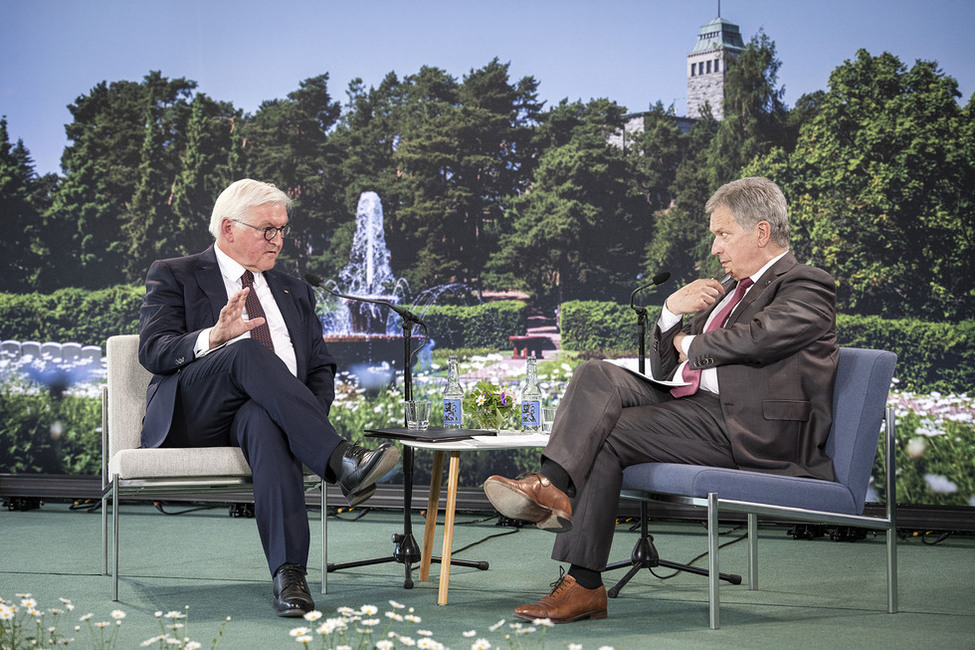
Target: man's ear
{"x":764,"y":232}
{"x":227,"y":229}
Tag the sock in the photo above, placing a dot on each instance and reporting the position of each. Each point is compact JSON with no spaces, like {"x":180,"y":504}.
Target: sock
{"x":559,"y":477}
{"x":586,"y":577}
{"x":335,"y":460}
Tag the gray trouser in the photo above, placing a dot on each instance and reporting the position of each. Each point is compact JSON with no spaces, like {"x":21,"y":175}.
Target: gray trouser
{"x":609,"y":419}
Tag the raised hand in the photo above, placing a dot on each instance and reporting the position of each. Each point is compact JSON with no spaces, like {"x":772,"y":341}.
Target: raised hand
{"x":231,"y":323}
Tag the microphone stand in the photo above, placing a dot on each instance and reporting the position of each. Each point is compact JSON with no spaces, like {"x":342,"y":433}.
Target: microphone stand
{"x":405,"y":548}
{"x":644,"y":554}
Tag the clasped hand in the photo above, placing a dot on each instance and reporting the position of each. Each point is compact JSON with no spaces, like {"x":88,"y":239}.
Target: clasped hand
{"x":231,"y":323}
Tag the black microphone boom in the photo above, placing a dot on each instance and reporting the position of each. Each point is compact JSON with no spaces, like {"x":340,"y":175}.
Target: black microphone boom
{"x":405,"y":314}
{"x":660,"y":278}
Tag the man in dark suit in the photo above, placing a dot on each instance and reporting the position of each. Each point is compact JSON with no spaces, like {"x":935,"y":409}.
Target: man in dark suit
{"x":758,"y":365}
{"x":238,"y":359}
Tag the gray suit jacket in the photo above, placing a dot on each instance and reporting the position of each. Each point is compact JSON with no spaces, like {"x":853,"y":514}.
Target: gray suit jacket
{"x":776,"y":363}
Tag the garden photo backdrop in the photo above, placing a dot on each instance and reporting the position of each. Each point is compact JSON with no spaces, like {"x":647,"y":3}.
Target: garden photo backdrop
{"x":487,"y":188}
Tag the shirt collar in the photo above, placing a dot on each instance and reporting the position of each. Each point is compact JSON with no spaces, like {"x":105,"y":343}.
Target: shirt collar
{"x":762,"y":270}
{"x":231,"y":269}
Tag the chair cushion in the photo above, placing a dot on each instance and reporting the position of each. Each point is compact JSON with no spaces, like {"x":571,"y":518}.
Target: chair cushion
{"x":178,"y":463}
{"x":740,"y":485}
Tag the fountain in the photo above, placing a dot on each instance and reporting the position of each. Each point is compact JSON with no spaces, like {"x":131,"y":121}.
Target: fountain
{"x":360,"y":335}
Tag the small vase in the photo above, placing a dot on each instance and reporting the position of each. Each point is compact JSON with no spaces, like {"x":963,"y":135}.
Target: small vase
{"x":495,"y":422}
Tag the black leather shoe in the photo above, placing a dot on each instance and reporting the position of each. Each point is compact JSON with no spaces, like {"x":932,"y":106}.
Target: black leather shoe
{"x":361,"y":468}
{"x":291,"y":595}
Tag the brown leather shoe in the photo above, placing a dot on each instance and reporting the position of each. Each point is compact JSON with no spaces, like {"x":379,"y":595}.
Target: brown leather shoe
{"x":533,"y":499}
{"x":567,"y":602}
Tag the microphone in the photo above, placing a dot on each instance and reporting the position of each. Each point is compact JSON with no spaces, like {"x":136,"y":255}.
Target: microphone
{"x":660,"y":278}
{"x":405,"y":314}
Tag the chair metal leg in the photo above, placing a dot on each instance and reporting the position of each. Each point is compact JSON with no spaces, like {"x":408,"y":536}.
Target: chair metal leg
{"x":324,"y":540}
{"x":115,"y":509}
{"x":752,"y":551}
{"x":104,"y":532}
{"x":891,"y":485}
{"x":713,"y":571}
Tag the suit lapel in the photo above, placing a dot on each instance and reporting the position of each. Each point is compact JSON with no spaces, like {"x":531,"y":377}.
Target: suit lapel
{"x":773,"y":272}
{"x":211,"y":282}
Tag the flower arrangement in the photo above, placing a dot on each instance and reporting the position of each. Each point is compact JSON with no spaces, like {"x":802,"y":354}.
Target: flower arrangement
{"x":489,"y":406}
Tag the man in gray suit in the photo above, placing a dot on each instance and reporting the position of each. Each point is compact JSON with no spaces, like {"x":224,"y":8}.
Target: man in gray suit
{"x":757,"y":359}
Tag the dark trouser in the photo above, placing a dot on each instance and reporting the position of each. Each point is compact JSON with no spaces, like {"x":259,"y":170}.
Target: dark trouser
{"x":609,"y":419}
{"x":243,"y":395}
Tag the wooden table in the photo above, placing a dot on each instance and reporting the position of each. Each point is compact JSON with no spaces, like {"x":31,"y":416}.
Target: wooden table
{"x":506,"y":440}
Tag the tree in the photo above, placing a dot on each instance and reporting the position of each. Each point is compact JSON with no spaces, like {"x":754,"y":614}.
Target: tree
{"x":287,"y":143}
{"x":20,"y":216}
{"x":464,"y":149}
{"x":882,"y":186}
{"x":573,"y":234}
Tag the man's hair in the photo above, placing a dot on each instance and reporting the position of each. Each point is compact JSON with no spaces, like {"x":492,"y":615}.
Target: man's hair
{"x":239,"y":197}
{"x":755,"y":199}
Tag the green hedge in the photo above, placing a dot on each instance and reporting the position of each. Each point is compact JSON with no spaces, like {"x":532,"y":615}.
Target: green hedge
{"x":930,"y":356}
{"x":487,"y":325}
{"x":598,"y":326}
{"x":79,"y":315}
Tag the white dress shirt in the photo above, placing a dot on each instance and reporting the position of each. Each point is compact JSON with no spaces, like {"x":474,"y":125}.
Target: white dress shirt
{"x":231,"y":271}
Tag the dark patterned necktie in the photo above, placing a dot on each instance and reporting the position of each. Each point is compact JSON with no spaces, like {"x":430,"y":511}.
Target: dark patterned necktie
{"x":254,"y":310}
{"x":693,"y":375}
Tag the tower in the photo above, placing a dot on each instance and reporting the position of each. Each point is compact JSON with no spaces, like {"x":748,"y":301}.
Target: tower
{"x":717,"y":43}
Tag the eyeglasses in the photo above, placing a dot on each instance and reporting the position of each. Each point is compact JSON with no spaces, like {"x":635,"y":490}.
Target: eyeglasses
{"x":270,"y":232}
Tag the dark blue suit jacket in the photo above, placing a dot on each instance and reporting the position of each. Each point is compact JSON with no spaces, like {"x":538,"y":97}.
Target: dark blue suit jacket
{"x":185,"y":295}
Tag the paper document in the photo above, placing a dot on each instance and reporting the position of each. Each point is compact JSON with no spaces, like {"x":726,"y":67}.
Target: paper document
{"x":633,"y":365}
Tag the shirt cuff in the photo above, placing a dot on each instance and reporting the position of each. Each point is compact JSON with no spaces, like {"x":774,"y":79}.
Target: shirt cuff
{"x":667,"y":319}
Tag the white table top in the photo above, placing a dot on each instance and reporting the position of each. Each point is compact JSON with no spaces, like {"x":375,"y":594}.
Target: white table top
{"x":504,"y":440}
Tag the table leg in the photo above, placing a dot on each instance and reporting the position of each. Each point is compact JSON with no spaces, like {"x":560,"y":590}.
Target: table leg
{"x":433,"y":505}
{"x":448,"y":528}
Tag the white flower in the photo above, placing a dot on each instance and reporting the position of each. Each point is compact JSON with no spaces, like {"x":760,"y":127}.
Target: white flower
{"x":385,"y":645}
{"x":369,"y":610}
{"x":305,"y":638}
{"x":481,"y":644}
{"x":396,"y":605}
{"x":496,"y":626}
{"x":193,"y":645}
{"x":544,"y":622}
{"x":86,"y":617}
{"x":29,"y":603}
{"x":916,"y":448}
{"x":118,"y":614}
{"x":940,"y":484}
{"x":470,"y":634}
{"x":299,"y":631}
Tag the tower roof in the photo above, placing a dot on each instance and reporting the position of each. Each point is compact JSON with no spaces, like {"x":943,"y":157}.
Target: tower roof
{"x":718,"y":34}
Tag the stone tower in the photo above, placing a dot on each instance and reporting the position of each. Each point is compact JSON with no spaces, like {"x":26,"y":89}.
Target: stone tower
{"x":717,"y":43}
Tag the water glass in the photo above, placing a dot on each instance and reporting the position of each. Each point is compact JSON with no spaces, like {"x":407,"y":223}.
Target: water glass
{"x":417,"y":414}
{"x":548,"y":417}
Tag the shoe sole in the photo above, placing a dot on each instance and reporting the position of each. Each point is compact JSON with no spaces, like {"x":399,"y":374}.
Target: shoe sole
{"x":593,"y":615}
{"x":368,"y":485}
{"x":515,"y":504}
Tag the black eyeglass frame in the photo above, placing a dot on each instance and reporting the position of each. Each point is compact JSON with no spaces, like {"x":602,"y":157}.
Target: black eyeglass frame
{"x":270,"y":232}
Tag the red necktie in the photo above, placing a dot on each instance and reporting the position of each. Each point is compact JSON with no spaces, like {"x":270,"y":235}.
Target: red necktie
{"x":693,"y":375}
{"x":254,"y":310}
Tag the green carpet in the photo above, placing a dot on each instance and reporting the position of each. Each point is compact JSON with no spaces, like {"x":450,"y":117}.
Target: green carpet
{"x":813,"y":593}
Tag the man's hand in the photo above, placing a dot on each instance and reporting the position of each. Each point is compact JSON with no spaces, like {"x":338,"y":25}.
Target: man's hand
{"x":695,"y":296}
{"x":678,"y":345}
{"x":231,"y":323}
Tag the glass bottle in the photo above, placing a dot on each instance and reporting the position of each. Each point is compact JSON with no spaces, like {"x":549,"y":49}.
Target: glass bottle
{"x":453,"y":396}
{"x":531,"y":399}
